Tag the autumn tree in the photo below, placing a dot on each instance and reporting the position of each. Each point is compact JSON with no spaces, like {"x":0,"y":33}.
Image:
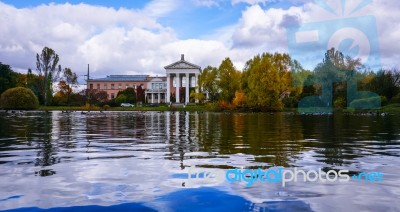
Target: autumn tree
{"x":228,"y":80}
{"x":208,"y":82}
{"x":140,"y":94}
{"x":48,"y":69}
{"x":71,"y":81}
{"x":268,"y":80}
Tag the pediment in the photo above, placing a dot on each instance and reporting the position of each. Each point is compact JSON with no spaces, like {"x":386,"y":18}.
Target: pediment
{"x":182,"y":65}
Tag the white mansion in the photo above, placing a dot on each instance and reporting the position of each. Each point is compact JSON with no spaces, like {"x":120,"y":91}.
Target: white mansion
{"x":180,"y":76}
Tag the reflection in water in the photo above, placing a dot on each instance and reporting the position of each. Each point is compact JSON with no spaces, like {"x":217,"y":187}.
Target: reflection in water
{"x":53,"y":160}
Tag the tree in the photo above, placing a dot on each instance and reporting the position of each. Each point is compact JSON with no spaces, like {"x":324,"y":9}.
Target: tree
{"x":140,"y":94}
{"x":385,"y":83}
{"x":96,"y":96}
{"x":268,"y":79}
{"x":240,"y":99}
{"x":128,"y":96}
{"x":229,"y":80}
{"x":34,"y":82}
{"x":208,"y":82}
{"x":8,"y":78}
{"x":71,"y":80}
{"x":46,"y":66}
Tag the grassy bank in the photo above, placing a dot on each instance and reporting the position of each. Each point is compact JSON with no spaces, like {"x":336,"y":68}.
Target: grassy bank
{"x":391,"y":108}
{"x":139,"y":108}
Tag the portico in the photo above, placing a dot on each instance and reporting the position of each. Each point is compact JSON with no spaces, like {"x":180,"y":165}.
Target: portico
{"x":182,"y":74}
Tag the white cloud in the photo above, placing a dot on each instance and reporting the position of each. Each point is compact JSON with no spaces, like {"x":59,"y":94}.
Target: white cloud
{"x":134,"y":42}
{"x":253,"y":2}
{"x":206,"y":3}
{"x":160,"y":8}
{"x":265,"y":29}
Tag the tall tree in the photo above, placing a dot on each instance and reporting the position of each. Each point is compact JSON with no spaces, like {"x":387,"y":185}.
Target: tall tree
{"x":228,"y":80}
{"x":269,"y":80}
{"x":208,"y":82}
{"x":8,"y":78}
{"x":46,"y":66}
{"x":71,"y":80}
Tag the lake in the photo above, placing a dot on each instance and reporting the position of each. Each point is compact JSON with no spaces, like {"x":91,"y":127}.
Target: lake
{"x":140,"y":161}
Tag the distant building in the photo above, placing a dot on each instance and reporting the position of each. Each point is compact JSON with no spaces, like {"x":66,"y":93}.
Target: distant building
{"x":157,"y":89}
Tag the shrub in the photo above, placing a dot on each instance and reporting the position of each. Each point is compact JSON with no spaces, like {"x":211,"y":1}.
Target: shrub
{"x":368,"y":103}
{"x":19,"y":98}
{"x":225,"y":105}
{"x":384,"y":101}
{"x":395,"y":99}
{"x":106,"y":107}
{"x":340,"y":103}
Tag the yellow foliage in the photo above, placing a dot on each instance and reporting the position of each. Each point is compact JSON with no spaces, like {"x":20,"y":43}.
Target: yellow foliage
{"x":240,"y":99}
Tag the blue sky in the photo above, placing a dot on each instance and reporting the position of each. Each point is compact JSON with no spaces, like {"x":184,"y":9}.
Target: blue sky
{"x":143,"y":36}
{"x":189,"y":20}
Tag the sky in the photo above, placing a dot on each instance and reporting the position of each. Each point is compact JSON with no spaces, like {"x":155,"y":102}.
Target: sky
{"x":143,"y":36}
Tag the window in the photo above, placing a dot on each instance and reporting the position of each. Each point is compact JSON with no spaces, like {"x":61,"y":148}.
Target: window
{"x":193,"y":82}
{"x":91,"y":86}
{"x":156,"y":86}
{"x":98,"y":86}
{"x":174,"y":82}
{"x":119,"y":86}
{"x":112,"y":95}
{"x":105,"y":86}
{"x":112,"y":86}
{"x":127,"y":85}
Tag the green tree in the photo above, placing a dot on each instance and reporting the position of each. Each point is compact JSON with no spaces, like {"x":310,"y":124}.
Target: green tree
{"x":46,"y":67}
{"x":385,"y":83}
{"x":208,"y":82}
{"x":126,"y":96}
{"x":8,"y":78}
{"x":71,"y":80}
{"x":269,"y":80}
{"x":228,"y":80}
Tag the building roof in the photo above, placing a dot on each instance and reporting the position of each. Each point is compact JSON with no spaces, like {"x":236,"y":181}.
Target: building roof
{"x":182,"y":64}
{"x":122,"y":78}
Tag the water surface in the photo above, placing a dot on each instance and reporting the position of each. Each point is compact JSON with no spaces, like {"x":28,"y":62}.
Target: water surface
{"x":140,"y":160}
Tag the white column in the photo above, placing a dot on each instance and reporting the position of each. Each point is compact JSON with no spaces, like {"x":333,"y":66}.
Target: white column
{"x":168,"y":88}
{"x":159,"y":97}
{"x":178,"y":85}
{"x":152,"y":97}
{"x":187,"y":88}
{"x":196,"y":78}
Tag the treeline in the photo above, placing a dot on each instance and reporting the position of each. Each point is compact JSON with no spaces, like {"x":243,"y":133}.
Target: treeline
{"x":48,"y":72}
{"x":53,"y":85}
{"x":269,"y":82}
{"x":272,"y":82}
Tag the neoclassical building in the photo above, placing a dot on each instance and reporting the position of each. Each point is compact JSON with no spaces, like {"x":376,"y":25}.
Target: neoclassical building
{"x":180,"y":76}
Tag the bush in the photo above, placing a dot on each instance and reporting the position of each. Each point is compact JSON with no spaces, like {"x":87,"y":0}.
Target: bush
{"x":368,"y":103}
{"x":339,"y":103}
{"x":106,"y":107}
{"x":19,"y":98}
{"x":290,"y":102}
{"x":395,"y":99}
{"x":384,"y":101}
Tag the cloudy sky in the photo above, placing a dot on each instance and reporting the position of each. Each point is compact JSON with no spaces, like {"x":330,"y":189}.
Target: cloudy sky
{"x":143,"y":36}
